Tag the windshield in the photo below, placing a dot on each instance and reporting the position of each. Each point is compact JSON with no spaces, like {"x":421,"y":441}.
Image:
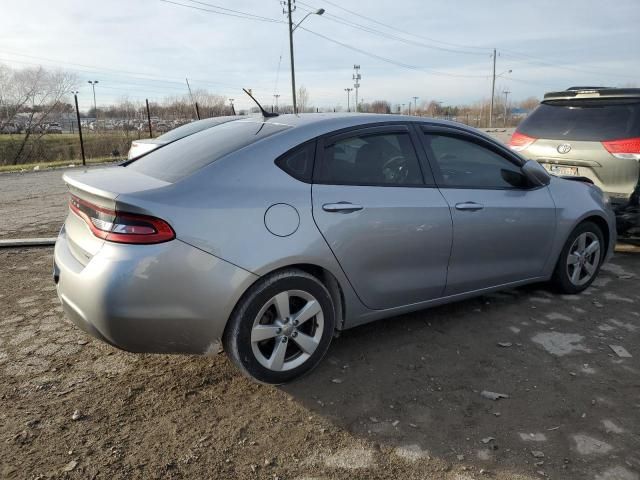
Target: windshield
{"x":583,"y":120}
{"x":180,"y":159}
{"x":193,"y":127}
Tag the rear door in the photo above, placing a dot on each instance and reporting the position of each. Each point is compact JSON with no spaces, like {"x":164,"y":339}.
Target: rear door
{"x":502,"y":230}
{"x":383,"y":218}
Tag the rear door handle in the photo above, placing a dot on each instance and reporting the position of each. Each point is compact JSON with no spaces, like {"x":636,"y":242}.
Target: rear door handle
{"x":344,"y":207}
{"x":472,"y":206}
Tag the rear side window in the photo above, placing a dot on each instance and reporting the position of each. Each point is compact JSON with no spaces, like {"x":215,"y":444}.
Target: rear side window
{"x":299,"y":162}
{"x":583,"y":121}
{"x":386,"y":159}
{"x":464,"y":164}
{"x":183,"y":157}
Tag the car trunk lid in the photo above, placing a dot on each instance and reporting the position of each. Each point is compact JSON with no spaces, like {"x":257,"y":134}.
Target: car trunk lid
{"x":99,"y":189}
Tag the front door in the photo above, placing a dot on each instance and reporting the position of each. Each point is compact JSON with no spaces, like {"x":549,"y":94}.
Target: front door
{"x":503,"y":229}
{"x":388,"y":228}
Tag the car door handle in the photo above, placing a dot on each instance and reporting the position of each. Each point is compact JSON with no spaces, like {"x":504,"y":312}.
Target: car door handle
{"x":472,"y":206}
{"x":344,"y":207}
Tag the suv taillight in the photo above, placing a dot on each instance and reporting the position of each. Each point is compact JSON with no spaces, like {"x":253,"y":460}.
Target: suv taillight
{"x":628,"y":148}
{"x":121,"y":227}
{"x":520,"y":141}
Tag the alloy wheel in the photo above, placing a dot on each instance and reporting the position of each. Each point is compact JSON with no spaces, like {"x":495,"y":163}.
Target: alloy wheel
{"x":583,"y":258}
{"x":287,"y":330}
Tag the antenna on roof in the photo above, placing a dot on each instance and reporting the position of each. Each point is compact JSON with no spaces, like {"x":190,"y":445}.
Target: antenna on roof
{"x":264,"y":112}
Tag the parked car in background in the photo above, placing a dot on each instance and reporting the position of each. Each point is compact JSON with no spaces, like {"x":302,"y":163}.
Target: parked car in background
{"x":217,"y":236}
{"x":9,"y":128}
{"x":142,"y":146}
{"x":54,"y":128}
{"x":591,"y":132}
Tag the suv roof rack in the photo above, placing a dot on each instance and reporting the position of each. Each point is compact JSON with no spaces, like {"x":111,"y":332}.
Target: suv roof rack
{"x":579,"y":93}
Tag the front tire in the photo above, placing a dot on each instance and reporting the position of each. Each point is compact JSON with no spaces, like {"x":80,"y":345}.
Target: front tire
{"x":580,"y":259}
{"x":281,"y":328}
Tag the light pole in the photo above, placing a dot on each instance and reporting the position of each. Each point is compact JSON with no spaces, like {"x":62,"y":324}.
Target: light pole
{"x":506,"y":93}
{"x":233,"y":110}
{"x":292,"y":29}
{"x":276,"y":96}
{"x":93,"y":84}
{"x":348,"y":90}
{"x":415,"y":105}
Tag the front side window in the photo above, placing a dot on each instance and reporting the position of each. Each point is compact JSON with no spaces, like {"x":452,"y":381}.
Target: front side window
{"x":466,"y":164}
{"x":386,"y":159}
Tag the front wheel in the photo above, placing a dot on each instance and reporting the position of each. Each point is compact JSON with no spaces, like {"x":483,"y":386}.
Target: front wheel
{"x":281,"y":328}
{"x":580,"y":260}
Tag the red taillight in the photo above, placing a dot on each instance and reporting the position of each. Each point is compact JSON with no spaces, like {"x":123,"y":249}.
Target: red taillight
{"x":121,"y":227}
{"x":624,"y":148}
{"x":520,"y":141}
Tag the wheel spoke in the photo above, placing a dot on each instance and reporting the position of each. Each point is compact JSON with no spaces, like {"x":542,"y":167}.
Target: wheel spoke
{"x":310,"y":310}
{"x":281,"y":301}
{"x":572,"y":259}
{"x":575,"y":276}
{"x":592,"y":248}
{"x":582,"y":242}
{"x":276,"y":361}
{"x":307,"y":343}
{"x":590,"y":267}
{"x":263,"y":332}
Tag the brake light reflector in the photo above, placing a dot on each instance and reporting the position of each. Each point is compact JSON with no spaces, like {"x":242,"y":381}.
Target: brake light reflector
{"x":520,"y":141}
{"x":121,"y":227}
{"x":628,"y":148}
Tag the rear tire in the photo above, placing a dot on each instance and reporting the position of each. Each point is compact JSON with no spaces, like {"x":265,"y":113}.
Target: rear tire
{"x":580,"y":259}
{"x":281,"y":328}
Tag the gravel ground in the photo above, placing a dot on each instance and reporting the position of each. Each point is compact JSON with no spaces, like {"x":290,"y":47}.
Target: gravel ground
{"x":401,"y":398}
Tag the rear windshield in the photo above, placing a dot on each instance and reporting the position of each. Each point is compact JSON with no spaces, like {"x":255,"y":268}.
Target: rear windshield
{"x":585,"y":120}
{"x":194,"y":127}
{"x":180,"y":159}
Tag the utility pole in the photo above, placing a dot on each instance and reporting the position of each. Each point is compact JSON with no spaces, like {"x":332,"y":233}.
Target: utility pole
{"x":276,"y":96}
{"x":75,"y":96}
{"x":415,"y":105}
{"x":293,"y":70}
{"x":348,"y":90}
{"x":493,"y":89}
{"x":506,"y":93}
{"x":356,"y":81}
{"x":233,"y":110}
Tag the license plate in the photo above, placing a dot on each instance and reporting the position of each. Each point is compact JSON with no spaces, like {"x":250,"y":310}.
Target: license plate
{"x":561,"y":170}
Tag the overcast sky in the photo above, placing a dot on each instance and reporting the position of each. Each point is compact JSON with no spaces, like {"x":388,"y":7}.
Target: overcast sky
{"x":431,"y":49}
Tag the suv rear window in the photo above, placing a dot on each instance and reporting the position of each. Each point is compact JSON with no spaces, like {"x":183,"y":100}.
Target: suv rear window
{"x":584,"y":120}
{"x":183,"y":157}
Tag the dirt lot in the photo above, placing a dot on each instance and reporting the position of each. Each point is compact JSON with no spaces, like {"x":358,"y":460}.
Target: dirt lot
{"x":398,"y":399}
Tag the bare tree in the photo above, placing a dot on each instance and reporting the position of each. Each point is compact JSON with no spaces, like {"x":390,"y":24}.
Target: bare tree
{"x":380,"y":106}
{"x":303,"y":99}
{"x":32,"y":97}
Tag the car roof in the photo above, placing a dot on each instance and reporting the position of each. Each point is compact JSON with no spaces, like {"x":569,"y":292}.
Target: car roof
{"x":322,"y":123}
{"x":581,"y":93}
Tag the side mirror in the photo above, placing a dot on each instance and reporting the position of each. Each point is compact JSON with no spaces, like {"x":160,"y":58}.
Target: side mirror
{"x":536,"y":173}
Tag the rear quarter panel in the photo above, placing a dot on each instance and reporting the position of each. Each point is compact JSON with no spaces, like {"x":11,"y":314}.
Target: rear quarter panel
{"x":221,"y":210}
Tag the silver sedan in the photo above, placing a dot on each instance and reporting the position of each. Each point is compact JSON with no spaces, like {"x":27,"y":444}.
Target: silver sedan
{"x":269,"y":235}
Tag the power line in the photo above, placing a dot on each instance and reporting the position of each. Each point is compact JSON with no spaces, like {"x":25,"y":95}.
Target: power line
{"x":406,"y":33}
{"x":391,"y":36}
{"x":237,"y":14}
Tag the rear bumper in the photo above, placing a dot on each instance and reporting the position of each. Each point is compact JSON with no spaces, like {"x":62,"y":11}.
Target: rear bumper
{"x":164,"y":298}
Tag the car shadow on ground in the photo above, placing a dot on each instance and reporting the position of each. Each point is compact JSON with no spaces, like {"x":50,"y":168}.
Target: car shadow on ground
{"x":414,"y":383}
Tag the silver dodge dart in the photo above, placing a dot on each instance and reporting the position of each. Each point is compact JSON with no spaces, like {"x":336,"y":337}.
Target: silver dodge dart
{"x":269,"y":235}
